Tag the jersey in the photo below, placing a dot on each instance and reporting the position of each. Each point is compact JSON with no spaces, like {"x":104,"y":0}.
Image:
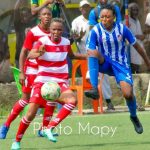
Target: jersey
{"x":32,"y":37}
{"x":53,"y":63}
{"x":111,"y":44}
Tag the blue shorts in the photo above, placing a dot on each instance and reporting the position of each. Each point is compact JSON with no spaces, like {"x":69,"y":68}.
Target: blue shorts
{"x":121,"y":72}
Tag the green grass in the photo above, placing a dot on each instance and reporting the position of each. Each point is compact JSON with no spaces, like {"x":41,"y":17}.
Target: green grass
{"x":91,"y":138}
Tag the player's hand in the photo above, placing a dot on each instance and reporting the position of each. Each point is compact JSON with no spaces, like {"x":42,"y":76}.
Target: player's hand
{"x":93,"y":53}
{"x":22,"y":78}
{"x":82,"y":33}
{"x":75,"y":35}
{"x":41,"y":50}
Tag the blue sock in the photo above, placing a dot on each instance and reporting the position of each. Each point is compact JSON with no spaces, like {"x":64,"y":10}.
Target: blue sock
{"x":132,"y":107}
{"x":93,"y":66}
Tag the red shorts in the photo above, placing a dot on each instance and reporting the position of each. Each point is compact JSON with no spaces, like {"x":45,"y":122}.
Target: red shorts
{"x":36,"y":96}
{"x":28,"y":83}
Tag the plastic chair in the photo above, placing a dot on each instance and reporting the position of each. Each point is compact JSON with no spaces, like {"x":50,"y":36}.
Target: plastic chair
{"x":80,"y":88}
{"x":16,"y":73}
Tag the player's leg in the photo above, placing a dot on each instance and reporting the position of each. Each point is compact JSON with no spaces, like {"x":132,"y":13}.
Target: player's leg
{"x":17,"y":108}
{"x":24,"y":124}
{"x":36,"y":100}
{"x":127,"y":91}
{"x":94,"y":68}
{"x":69,"y":99}
{"x":48,"y":113}
{"x":124,"y":78}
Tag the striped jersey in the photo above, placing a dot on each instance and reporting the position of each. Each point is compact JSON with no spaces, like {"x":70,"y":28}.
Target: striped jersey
{"x":32,"y":37}
{"x":111,"y":43}
{"x":52,"y":65}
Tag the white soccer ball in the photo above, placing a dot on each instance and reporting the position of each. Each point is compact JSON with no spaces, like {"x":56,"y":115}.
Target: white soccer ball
{"x":50,"y":91}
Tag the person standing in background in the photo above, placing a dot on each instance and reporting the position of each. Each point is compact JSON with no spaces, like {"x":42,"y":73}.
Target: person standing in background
{"x":147,"y":34}
{"x":54,"y":5}
{"x":23,"y":20}
{"x":80,"y":26}
{"x":135,"y":26}
{"x":5,"y":72}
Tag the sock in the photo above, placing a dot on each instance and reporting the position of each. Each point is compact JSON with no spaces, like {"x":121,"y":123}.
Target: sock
{"x":132,"y":107}
{"x":22,"y":128}
{"x":48,"y":113}
{"x":63,"y":113}
{"x":93,"y":71}
{"x":108,"y":101}
{"x":17,"y":108}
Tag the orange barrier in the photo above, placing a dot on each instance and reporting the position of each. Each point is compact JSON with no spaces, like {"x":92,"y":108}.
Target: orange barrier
{"x":80,"y":88}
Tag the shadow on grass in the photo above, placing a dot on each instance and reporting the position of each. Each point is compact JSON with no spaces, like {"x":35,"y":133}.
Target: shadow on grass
{"x":105,"y":144}
{"x":92,"y":145}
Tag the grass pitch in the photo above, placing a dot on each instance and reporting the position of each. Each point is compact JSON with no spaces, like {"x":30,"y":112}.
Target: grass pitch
{"x":89,"y":132}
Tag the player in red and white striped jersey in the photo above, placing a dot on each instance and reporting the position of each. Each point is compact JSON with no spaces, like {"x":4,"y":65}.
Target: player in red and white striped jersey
{"x":29,"y":71}
{"x":51,"y":53}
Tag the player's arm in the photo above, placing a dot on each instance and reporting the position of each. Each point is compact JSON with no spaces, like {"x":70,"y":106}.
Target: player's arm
{"x":35,"y":8}
{"x":27,"y":45}
{"x":73,"y":55}
{"x":37,"y":51}
{"x":22,"y":59}
{"x":91,"y":46}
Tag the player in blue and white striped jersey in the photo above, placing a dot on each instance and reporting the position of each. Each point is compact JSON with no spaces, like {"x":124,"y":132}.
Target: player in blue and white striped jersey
{"x":107,"y":54}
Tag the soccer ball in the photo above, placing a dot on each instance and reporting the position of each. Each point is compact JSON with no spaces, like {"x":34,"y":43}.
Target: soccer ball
{"x":50,"y":91}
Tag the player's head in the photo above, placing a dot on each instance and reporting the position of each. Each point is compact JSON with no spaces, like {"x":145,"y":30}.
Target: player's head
{"x":45,"y":16}
{"x":85,"y":8}
{"x":25,"y":15}
{"x":107,"y":16}
{"x":56,"y":29}
{"x":133,"y":10}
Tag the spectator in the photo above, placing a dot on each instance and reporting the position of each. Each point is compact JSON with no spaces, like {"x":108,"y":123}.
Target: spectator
{"x":4,"y":49}
{"x":5,"y":72}
{"x":54,"y":5}
{"x":80,"y":26}
{"x":147,"y":33}
{"x":22,"y":21}
{"x":135,"y":26}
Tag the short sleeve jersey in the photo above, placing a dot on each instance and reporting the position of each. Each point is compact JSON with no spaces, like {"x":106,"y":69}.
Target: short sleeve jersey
{"x":111,"y":43}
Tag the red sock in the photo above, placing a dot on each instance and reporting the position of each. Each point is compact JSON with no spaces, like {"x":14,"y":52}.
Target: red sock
{"x":63,"y":113}
{"x":48,"y":113}
{"x":22,"y":128}
{"x":17,"y":108}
